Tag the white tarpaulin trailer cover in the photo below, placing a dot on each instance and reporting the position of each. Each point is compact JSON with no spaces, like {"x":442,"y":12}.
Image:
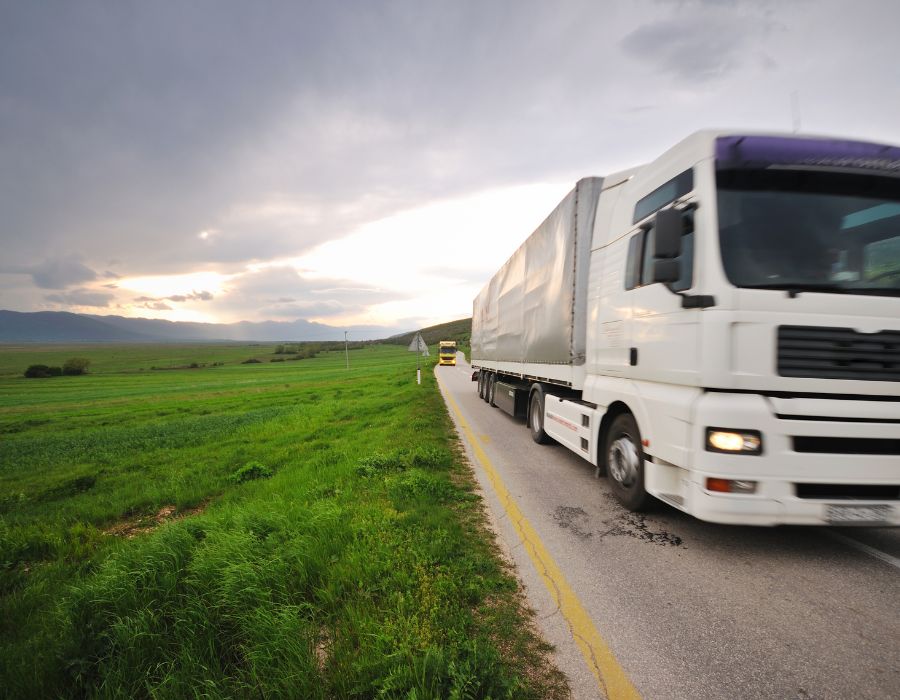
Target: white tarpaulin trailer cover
{"x":533,"y":310}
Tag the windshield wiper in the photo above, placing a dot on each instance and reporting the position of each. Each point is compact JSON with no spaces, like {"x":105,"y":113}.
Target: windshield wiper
{"x":798,"y":287}
{"x":795,"y":288}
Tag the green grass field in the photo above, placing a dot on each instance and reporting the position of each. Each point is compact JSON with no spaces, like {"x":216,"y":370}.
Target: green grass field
{"x":288,"y":529}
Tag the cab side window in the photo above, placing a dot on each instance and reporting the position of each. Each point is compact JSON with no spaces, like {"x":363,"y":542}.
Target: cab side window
{"x":686,"y":260}
{"x":647,"y":257}
{"x":633,"y":261}
{"x":639,"y":262}
{"x":639,"y":265}
{"x":665,"y":194}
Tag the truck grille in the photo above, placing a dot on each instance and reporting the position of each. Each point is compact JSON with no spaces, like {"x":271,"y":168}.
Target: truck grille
{"x":846,"y":446}
{"x":838,"y":353}
{"x":864,"y":492}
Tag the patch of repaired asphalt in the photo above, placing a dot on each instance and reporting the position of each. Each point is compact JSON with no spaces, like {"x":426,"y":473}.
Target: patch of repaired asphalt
{"x":635,"y":525}
{"x":626,"y":524}
{"x":571,"y":519}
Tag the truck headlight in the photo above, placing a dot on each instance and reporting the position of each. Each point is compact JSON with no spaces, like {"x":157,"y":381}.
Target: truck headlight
{"x":734,"y":442}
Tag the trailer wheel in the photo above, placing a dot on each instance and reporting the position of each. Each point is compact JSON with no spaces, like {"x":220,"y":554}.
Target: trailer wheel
{"x":625,"y":463}
{"x":480,"y":384}
{"x":536,"y":419}
{"x":492,"y":386}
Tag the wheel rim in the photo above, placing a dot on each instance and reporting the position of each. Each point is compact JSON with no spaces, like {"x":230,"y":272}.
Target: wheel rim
{"x":536,"y":415}
{"x":624,"y":461}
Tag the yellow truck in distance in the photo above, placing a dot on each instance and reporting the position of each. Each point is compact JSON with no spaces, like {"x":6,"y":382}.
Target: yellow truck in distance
{"x":447,"y":352}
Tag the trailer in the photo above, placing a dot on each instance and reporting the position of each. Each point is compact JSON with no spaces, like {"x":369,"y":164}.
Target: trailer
{"x":718,"y":329}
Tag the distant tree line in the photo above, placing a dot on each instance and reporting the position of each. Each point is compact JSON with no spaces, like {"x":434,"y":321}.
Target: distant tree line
{"x":71,"y":367}
{"x":304,"y":350}
{"x":299,"y":350}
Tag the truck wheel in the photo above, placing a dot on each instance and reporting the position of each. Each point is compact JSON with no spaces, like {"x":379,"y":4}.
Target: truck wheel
{"x":492,"y":386}
{"x":536,"y":419}
{"x":625,"y":463}
{"x":480,"y":384}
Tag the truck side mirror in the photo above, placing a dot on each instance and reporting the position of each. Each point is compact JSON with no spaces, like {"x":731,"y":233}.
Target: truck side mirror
{"x":667,"y":271}
{"x":668,"y":228}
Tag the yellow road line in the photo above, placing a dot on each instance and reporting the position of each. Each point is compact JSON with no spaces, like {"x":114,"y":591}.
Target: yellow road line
{"x":610,"y":676}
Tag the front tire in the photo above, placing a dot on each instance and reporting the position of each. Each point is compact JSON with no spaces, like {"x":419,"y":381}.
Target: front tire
{"x":625,"y":463}
{"x":536,"y":419}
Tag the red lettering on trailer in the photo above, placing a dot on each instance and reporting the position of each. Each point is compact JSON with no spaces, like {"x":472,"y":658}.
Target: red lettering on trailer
{"x":563,"y":421}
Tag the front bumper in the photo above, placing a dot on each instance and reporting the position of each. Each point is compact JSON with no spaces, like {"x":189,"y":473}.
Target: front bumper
{"x":782,"y":466}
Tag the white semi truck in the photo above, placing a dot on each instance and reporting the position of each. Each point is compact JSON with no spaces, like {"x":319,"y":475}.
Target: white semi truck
{"x":718,"y":329}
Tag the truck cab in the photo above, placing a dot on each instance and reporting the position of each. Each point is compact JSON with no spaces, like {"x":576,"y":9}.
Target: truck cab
{"x":447,"y":352}
{"x":747,"y":313}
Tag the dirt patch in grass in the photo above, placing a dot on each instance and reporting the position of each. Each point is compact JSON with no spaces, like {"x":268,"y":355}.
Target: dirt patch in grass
{"x":133,"y":527}
{"x":323,"y":649}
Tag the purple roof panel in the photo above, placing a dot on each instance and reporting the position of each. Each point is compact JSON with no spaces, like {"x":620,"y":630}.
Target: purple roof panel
{"x":742,"y":152}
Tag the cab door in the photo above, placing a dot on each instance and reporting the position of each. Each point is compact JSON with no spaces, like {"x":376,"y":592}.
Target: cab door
{"x":665,"y":337}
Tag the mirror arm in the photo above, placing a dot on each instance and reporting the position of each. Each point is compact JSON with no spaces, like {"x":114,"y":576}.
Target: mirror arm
{"x":693,"y":301}
{"x":696,"y":301}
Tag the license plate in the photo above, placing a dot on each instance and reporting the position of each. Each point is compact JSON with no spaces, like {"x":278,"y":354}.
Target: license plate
{"x":842,"y":514}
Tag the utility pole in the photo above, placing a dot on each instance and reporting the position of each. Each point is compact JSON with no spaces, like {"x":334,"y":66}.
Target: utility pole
{"x":346,"y":349}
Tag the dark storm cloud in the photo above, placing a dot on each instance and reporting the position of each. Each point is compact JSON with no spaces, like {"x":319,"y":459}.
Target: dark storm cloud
{"x":80,"y":297}
{"x":699,"y":45}
{"x":127,"y":129}
{"x":54,"y":273}
{"x":156,"y":306}
{"x":104,"y":103}
{"x":194,"y":296}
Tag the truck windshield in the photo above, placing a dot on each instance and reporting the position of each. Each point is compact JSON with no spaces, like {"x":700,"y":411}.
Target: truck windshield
{"x":808,"y":230}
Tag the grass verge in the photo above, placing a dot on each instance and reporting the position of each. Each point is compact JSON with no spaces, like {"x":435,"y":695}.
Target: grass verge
{"x":276,"y":530}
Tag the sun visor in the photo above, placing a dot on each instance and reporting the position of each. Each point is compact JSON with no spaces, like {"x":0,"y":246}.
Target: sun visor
{"x":758,"y":152}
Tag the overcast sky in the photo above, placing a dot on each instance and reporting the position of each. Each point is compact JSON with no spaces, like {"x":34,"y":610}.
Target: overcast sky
{"x":360,"y":163}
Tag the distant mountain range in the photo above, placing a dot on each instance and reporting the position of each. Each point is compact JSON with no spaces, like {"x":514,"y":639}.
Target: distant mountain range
{"x":64,"y":327}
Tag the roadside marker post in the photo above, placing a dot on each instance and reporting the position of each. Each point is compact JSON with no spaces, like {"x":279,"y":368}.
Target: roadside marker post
{"x":346,"y":349}
{"x":418,"y":346}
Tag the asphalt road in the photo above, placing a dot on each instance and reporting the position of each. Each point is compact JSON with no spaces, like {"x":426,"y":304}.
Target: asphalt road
{"x":688,"y":609}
